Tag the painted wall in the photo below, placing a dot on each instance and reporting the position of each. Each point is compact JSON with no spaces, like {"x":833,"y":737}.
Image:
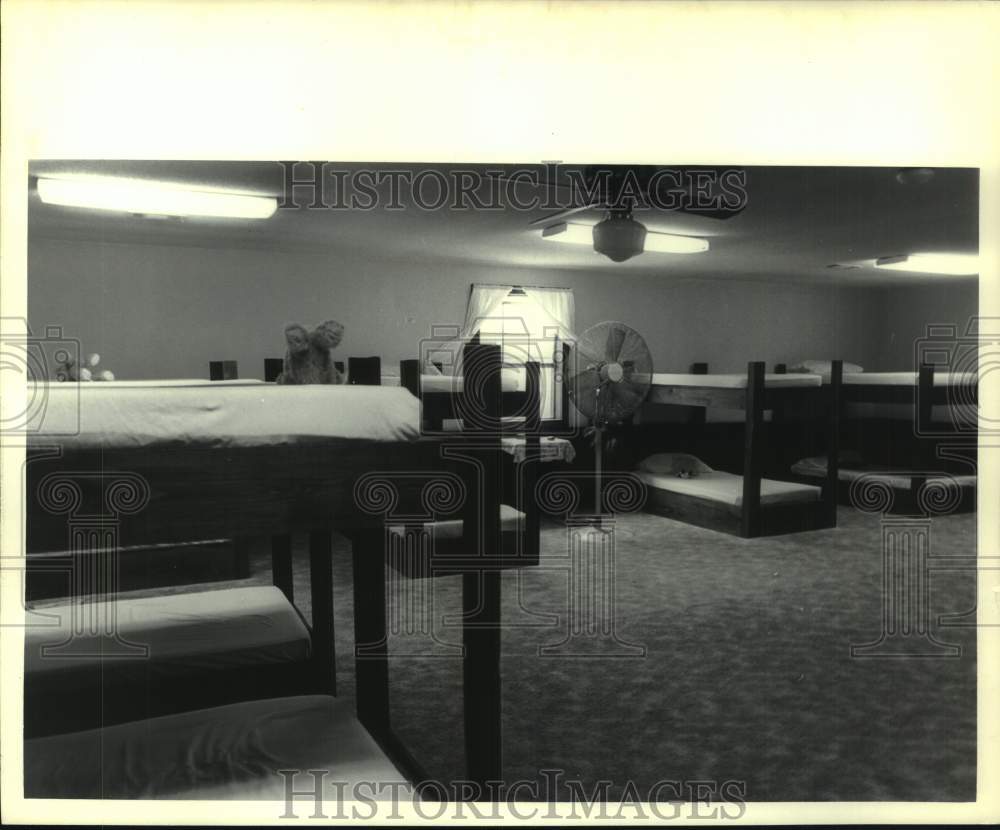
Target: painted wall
{"x":908,"y":313}
{"x":157,"y":312}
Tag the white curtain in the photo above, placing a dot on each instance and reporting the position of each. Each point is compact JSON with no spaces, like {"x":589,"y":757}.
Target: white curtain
{"x":484,"y":302}
{"x":549,"y":323}
{"x":559,"y":305}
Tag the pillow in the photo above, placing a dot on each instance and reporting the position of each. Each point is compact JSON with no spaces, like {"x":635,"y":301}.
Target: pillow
{"x":823,"y":367}
{"x":674,"y":464}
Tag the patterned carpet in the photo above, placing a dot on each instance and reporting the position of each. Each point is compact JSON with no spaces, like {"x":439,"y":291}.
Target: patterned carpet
{"x":728,"y":660}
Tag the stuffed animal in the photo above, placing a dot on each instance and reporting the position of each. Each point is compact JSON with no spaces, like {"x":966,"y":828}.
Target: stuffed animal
{"x":69,"y":370}
{"x":309,"y":357}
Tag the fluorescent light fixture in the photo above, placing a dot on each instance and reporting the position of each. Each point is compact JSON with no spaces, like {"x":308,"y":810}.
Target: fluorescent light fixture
{"x":661,"y":243}
{"x":959,"y":265}
{"x":669,"y":243}
{"x":151,"y":197}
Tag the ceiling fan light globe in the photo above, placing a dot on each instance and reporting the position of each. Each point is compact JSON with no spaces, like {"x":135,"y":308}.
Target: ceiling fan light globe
{"x":619,"y":238}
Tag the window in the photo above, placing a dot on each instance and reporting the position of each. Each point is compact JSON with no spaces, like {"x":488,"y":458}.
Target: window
{"x":525,"y":332}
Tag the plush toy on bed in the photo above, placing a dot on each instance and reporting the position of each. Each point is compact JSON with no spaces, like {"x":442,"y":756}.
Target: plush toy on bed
{"x":70,"y":370}
{"x":309,"y":358}
{"x":678,"y":464}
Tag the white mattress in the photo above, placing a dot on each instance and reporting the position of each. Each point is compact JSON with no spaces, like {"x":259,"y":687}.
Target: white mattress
{"x":163,"y":383}
{"x":511,"y":520}
{"x":511,"y":380}
{"x":816,"y":467}
{"x":727,"y":488}
{"x":551,"y":447}
{"x":224,"y":753}
{"x":220,"y":414}
{"x":907,"y":379}
{"x":213,"y":630}
{"x":735,"y":381}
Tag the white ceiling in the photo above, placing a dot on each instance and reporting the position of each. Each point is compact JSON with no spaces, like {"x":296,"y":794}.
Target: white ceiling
{"x":796,"y":223}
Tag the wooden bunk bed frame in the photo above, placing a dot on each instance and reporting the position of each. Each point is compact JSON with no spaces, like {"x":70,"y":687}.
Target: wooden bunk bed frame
{"x":274,"y":491}
{"x":452,"y":556}
{"x":439,"y":406}
{"x":751,"y":518}
{"x":923,"y":397}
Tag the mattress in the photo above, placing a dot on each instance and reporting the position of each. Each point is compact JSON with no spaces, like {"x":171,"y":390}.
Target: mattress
{"x":511,"y":520}
{"x":727,"y":488}
{"x":816,"y":467}
{"x":736,"y":381}
{"x":551,"y":447}
{"x":511,"y":380}
{"x":220,"y":414}
{"x":161,"y":384}
{"x":185,"y":633}
{"x":224,"y":753}
{"x":907,"y":379}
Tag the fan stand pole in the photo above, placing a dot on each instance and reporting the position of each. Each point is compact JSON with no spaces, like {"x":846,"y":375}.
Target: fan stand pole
{"x":598,"y":452}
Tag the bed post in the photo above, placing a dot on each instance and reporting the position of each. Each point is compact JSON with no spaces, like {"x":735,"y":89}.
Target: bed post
{"x":229,"y":370}
{"x":832,"y":484}
{"x":321,"y":591}
{"x":481,"y":586}
{"x":281,"y":565}
{"x":564,"y":386}
{"x":698,"y":413}
{"x":409,"y":376}
{"x":925,"y":398}
{"x":923,"y":411}
{"x":371,"y":651}
{"x":532,"y":451}
{"x":752,"y":461}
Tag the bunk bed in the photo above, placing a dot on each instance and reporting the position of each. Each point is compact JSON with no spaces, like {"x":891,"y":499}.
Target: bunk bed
{"x":443,"y":401}
{"x":749,"y":504}
{"x":922,"y":410}
{"x":164,"y":462}
{"x":438,"y":545}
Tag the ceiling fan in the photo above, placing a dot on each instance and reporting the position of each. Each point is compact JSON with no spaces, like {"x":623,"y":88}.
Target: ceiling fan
{"x":714,"y":194}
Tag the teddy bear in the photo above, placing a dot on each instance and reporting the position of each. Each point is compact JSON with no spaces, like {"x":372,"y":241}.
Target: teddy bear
{"x":69,"y":370}
{"x":309,"y":357}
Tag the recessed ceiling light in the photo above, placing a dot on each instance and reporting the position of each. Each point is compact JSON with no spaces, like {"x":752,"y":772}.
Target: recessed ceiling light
{"x":959,"y":265}
{"x":152,"y":198}
{"x":662,"y":243}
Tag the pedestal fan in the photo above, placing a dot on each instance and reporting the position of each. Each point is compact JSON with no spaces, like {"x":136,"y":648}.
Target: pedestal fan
{"x":608,"y":372}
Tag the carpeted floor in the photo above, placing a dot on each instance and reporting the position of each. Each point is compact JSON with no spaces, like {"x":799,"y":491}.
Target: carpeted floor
{"x":729,"y":661}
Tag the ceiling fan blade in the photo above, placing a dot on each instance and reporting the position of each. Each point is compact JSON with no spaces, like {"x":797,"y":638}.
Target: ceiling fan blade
{"x":720,"y":214}
{"x":562,"y":214}
{"x":523,"y":182}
